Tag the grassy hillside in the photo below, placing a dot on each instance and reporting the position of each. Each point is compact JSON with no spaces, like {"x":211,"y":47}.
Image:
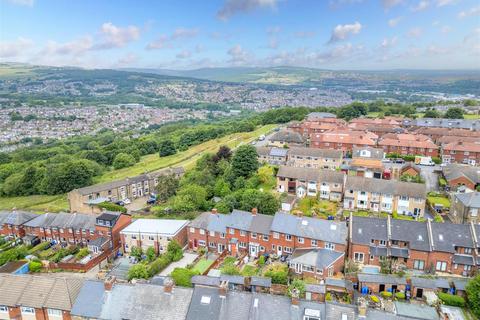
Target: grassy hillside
{"x":42,"y":203}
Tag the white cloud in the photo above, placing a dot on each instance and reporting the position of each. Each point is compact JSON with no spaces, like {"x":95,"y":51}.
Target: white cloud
{"x":233,"y":7}
{"x":27,"y":3}
{"x":342,"y":32}
{"x":184,"y":54}
{"x":394,"y":21}
{"x":389,"y":43}
{"x":387,"y":4}
{"x":441,"y":3}
{"x":422,"y":5}
{"x":74,"y":47}
{"x":181,"y":33}
{"x":304,"y":34}
{"x":475,"y":11}
{"x":128,"y":59}
{"x":117,"y":37}
{"x":164,"y":41}
{"x":415,"y":32}
{"x":238,"y":56}
{"x":15,"y":48}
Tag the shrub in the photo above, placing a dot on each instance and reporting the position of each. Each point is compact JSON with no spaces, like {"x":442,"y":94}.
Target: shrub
{"x":158,"y":265}
{"x":437,"y":218}
{"x":473,"y":295}
{"x":400,"y":295}
{"x":375,"y":299}
{"x":261,"y":261}
{"x":328,"y":297}
{"x":39,"y":247}
{"x":386,"y":294}
{"x":136,"y":252}
{"x":174,"y":251}
{"x":395,"y":214}
{"x":183,"y":277}
{"x":82,"y":253}
{"x":151,"y":254}
{"x":230,"y":269}
{"x":109,"y":206}
{"x":35,"y":266}
{"x":451,"y":300}
{"x":297,"y":285}
{"x":278,"y":273}
{"x":138,"y":271}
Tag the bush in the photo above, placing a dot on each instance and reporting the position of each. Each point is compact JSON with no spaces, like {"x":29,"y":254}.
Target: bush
{"x":82,"y":253}
{"x":151,"y":254}
{"x":328,"y":297}
{"x":136,"y":252}
{"x":35,"y":266}
{"x":109,"y":206}
{"x":183,"y":277}
{"x":39,"y":247}
{"x":400,"y":295}
{"x":437,"y":218}
{"x":296,"y":285}
{"x":451,"y":300}
{"x":278,"y":273}
{"x":123,"y":160}
{"x":138,"y":271}
{"x":395,"y":214}
{"x":261,"y":261}
{"x":230,"y":269}
{"x":174,"y":251}
{"x":386,"y":294}
{"x":158,"y":265}
{"x":473,"y":295}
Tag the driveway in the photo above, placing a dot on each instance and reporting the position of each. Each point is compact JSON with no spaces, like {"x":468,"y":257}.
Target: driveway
{"x":120,"y":268}
{"x":187,"y":259}
{"x":431,"y":177}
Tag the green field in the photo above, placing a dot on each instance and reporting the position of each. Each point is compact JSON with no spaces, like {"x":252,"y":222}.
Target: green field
{"x":187,"y":159}
{"x":445,"y":202}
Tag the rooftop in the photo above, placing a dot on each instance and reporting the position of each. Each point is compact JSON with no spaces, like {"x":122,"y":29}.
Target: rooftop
{"x":155,"y":226}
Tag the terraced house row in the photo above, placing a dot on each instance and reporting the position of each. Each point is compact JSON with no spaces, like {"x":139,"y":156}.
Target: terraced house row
{"x":423,"y":246}
{"x":356,"y":192}
{"x":318,"y":248}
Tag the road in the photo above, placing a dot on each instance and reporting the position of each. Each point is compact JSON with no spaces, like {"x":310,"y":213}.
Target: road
{"x":431,"y":177}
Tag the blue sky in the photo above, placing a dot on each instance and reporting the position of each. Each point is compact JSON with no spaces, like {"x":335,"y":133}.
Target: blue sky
{"x":329,"y":34}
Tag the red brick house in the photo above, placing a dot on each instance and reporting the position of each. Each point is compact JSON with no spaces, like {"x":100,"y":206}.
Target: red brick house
{"x":343,"y":139}
{"x":309,"y":127}
{"x":461,"y":152}
{"x":408,"y":144}
{"x":461,"y":175}
{"x":12,"y":222}
{"x":443,"y":247}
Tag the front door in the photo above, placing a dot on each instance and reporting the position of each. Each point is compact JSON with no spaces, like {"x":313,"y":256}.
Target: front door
{"x":279,"y":250}
{"x":394,"y":288}
{"x":253,"y":250}
{"x":221,"y":248}
{"x":381,"y":288}
{"x":195,"y":244}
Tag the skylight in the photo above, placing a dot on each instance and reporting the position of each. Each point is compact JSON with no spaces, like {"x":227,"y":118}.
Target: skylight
{"x":333,"y":227}
{"x":305,"y":222}
{"x":205,"y":300}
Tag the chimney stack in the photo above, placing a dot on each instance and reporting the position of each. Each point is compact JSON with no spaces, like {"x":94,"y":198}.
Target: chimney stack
{"x":109,"y":282}
{"x":168,"y":286}
{"x":295,"y":297}
{"x":214,"y":211}
{"x":254,"y":211}
{"x":222,"y":289}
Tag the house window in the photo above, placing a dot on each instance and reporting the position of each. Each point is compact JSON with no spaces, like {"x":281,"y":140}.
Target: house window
{"x":151,"y":238}
{"x":232,"y":231}
{"x":254,"y":235}
{"x":418,"y":264}
{"x":287,"y":249}
{"x":329,"y":246}
{"x":330,"y":272}
{"x":383,"y":242}
{"x":28,"y":310}
{"x":243,"y":233}
{"x":212,"y":233}
{"x":211,"y":244}
{"x":202,"y":231}
{"x":54,"y":312}
{"x":301,"y":240}
{"x":288,"y":237}
{"x":313,"y":242}
{"x":262,"y":248}
{"x":441,"y":266}
{"x":358,"y":256}
{"x":3,"y":309}
{"x":222,"y":235}
{"x":134,"y":237}
{"x":242,"y":245}
{"x":468,"y":250}
{"x":192,"y":230}
{"x":467,"y":268}
{"x":265,"y":237}
{"x":201,"y":243}
{"x":276,"y":235}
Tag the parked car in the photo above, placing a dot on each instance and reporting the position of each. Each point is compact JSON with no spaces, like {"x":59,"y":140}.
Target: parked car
{"x":151,"y":201}
{"x":127,"y":201}
{"x":120,"y":203}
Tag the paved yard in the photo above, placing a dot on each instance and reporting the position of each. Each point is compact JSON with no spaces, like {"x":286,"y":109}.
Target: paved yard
{"x":120,"y":269}
{"x":187,"y":259}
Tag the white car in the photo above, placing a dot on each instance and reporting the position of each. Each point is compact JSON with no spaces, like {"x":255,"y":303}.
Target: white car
{"x":127,"y":201}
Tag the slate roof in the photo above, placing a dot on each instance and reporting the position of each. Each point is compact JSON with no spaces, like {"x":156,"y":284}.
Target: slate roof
{"x":212,"y":222}
{"x":374,"y":153}
{"x":245,"y":220}
{"x":89,"y":301}
{"x":325,"y":230}
{"x":381,"y":278}
{"x":39,"y":291}
{"x":424,"y":283}
{"x":272,"y":151}
{"x":393,"y":187}
{"x":261,"y":281}
{"x":446,"y":123}
{"x":463,"y":259}
{"x":63,"y":220}
{"x":315,"y":288}
{"x":454,"y":171}
{"x":315,"y":152}
{"x":470,"y":199}
{"x":287,"y":136}
{"x":342,"y":283}
{"x":416,"y":233}
{"x":460,"y":284}
{"x":206,"y":281}
{"x":447,"y":236}
{"x":127,"y":181}
{"x":15,"y":217}
{"x":365,"y":229}
{"x":311,"y":174}
{"x":416,"y":311}
{"x":319,"y":258}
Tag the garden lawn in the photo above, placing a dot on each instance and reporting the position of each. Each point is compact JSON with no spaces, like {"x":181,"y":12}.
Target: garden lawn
{"x":202,"y":265}
{"x":38,"y":203}
{"x":249,"y":271}
{"x":445,"y":202}
{"x":310,"y":205}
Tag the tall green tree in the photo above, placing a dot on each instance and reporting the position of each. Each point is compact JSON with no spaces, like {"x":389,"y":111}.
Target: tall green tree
{"x":167,"y":148}
{"x":454,"y":113}
{"x":167,"y":187}
{"x":123,"y":160}
{"x":473,"y":295}
{"x":245,"y":161}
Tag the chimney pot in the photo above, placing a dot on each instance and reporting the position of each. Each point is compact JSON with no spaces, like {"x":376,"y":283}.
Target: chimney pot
{"x":109,"y":282}
{"x":222,"y":290}
{"x":254,"y":211}
{"x":168,"y":286}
